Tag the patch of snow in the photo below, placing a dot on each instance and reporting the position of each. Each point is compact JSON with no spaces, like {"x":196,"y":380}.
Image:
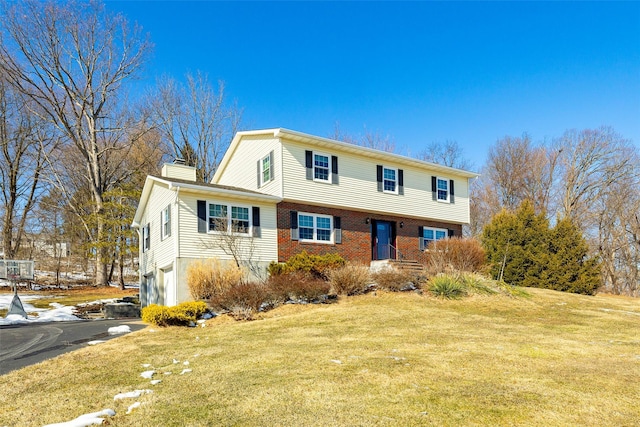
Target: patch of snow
{"x":146,"y":365}
{"x":147,"y":374}
{"x":132,"y":407}
{"x":207,"y":316}
{"x":95,"y":342}
{"x":154,"y":382}
{"x":185,"y":371}
{"x":186,"y":363}
{"x":131,"y":394}
{"x":86,"y":419}
{"x":167,"y":373}
{"x":339,"y":362}
{"x":58,"y":314}
{"x":175,"y":361}
{"x":122,"y":329}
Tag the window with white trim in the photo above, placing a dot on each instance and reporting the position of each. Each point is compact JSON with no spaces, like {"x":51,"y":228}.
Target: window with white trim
{"x":430,"y":234}
{"x":220,"y":221}
{"x":390,"y":177}
{"x":266,"y":169}
{"x":321,"y":168}
{"x":146,"y":237}
{"x":314,"y":227}
{"x":166,"y":222}
{"x":443,"y":190}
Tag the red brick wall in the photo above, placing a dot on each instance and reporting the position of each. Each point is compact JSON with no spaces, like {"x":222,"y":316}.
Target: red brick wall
{"x":356,"y":234}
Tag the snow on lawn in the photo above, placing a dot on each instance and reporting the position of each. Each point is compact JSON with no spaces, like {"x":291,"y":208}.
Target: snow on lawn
{"x":86,"y":419}
{"x":122,"y":329}
{"x":58,"y":313}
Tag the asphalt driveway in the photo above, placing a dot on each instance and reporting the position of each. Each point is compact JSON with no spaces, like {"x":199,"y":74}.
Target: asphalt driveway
{"x":24,"y":345}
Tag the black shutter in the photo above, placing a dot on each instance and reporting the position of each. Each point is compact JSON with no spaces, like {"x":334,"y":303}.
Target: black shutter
{"x":294,"y":225}
{"x":334,"y":169}
{"x":308,"y":160}
{"x":379,"y":177}
{"x":259,"y":172}
{"x":255,"y":216}
{"x":421,"y":237}
{"x":434,"y":188}
{"x":451,"y":193}
{"x":400,"y":182}
{"x":337,"y":229}
{"x":451,"y":233}
{"x":202,"y":216}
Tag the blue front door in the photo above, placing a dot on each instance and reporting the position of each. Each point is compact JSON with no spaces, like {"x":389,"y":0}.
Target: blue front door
{"x":383,"y":240}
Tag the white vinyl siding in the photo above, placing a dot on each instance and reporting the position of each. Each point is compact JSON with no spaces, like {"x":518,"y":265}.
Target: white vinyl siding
{"x":210,"y":245}
{"x":240,"y":172}
{"x":357,"y":188}
{"x":161,"y":250}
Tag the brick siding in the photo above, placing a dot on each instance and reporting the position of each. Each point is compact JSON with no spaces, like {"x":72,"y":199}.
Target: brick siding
{"x":356,"y":234}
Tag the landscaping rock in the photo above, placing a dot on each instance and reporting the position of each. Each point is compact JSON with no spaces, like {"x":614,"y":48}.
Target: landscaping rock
{"x":121,"y":309}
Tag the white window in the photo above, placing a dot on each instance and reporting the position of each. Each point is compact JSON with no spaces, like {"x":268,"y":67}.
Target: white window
{"x":315,"y":228}
{"x":146,"y":237}
{"x":430,"y":234}
{"x":443,"y":190}
{"x":166,"y":222}
{"x":321,"y":168}
{"x":221,"y":222}
{"x":218,"y":218}
{"x":390,"y":180}
{"x":240,"y":219}
{"x":266,"y":170}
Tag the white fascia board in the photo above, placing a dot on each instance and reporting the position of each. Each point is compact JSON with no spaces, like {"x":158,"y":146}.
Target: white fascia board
{"x":144,"y":198}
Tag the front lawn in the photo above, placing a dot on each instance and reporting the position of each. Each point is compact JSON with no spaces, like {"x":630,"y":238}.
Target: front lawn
{"x":383,"y":359}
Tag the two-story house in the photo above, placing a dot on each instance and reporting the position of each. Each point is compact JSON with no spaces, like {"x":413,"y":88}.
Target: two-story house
{"x":278,"y":192}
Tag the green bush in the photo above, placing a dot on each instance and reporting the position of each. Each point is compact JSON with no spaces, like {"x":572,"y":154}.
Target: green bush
{"x":351,"y":279}
{"x":277,"y":268}
{"x":318,"y":265}
{"x":180,"y":315}
{"x":394,"y":280}
{"x":447,"y":286}
{"x":524,"y":251}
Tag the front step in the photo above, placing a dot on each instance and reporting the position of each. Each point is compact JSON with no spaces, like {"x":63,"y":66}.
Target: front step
{"x":404,"y":265}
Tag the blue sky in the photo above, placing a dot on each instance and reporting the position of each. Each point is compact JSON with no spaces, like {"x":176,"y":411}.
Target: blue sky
{"x":420,"y":72}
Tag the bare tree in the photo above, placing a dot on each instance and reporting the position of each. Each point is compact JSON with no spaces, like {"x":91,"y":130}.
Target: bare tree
{"x":72,"y":60}
{"x":24,"y":141}
{"x":195,"y":121}
{"x":447,"y":153}
{"x":368,"y":139}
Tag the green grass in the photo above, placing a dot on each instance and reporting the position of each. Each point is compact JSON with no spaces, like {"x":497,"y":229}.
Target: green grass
{"x":551,"y":359}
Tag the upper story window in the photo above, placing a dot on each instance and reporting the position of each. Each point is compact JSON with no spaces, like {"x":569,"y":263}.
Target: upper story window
{"x":389,"y":180}
{"x":321,"y":167}
{"x":314,"y":228}
{"x":146,"y":237}
{"x":166,"y":222}
{"x":265,"y":169}
{"x":443,"y":190}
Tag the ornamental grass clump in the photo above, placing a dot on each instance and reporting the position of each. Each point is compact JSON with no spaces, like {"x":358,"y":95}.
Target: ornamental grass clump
{"x":209,"y":278}
{"x":351,"y":279}
{"x":447,"y":286}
